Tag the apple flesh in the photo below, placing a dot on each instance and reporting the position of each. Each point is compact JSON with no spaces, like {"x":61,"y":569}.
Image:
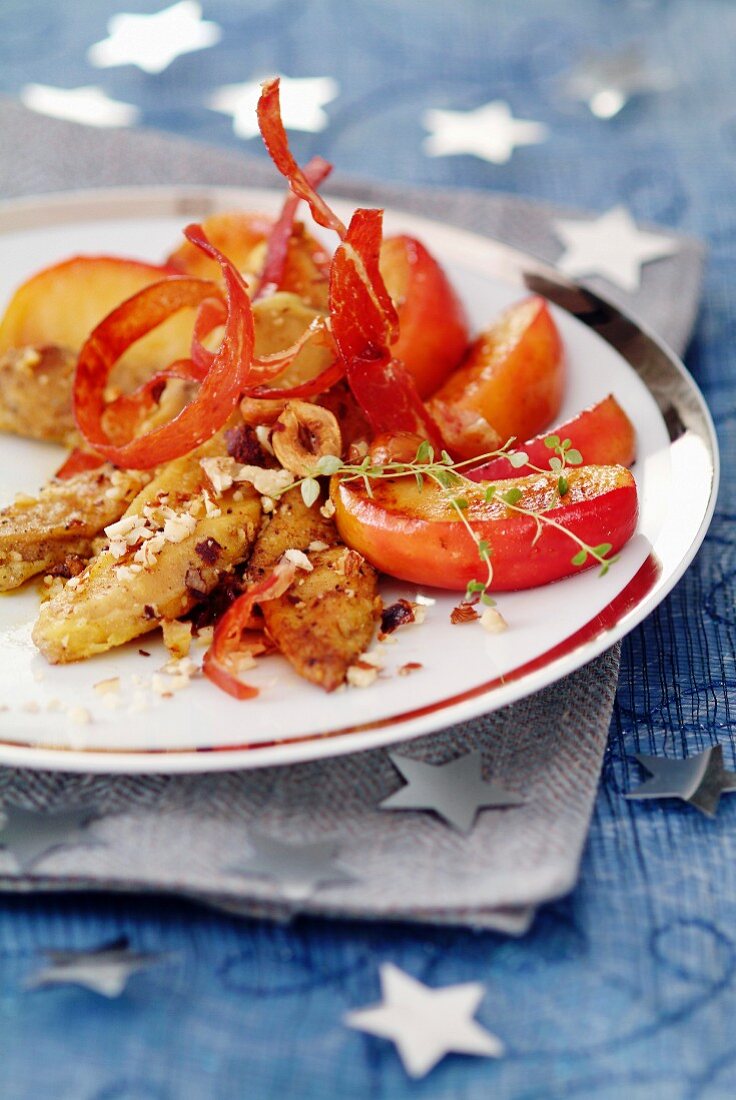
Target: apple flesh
{"x":510,"y":383}
{"x":59,"y":306}
{"x":242,"y":237}
{"x":433,"y":330}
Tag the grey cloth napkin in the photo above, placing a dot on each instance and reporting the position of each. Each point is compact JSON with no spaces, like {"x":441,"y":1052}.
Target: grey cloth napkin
{"x":183,"y":834}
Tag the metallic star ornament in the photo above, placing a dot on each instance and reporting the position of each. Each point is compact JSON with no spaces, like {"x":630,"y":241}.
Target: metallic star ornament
{"x":607,"y":82}
{"x":425,"y":1023}
{"x":152,"y":42}
{"x":106,"y":970}
{"x":302,"y":103}
{"x":490,"y":132}
{"x":89,"y":105}
{"x":611,"y":246}
{"x":29,"y":835}
{"x":455,"y":791}
{"x":699,"y":780}
{"x":299,"y":869}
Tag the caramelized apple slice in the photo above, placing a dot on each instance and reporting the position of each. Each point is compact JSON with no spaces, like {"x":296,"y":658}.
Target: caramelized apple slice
{"x":510,"y":383}
{"x":433,"y":332}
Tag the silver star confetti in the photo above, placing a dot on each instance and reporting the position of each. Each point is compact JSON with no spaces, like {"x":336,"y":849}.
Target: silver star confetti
{"x":490,"y":132}
{"x":456,"y":791}
{"x":152,"y":42}
{"x":612,"y":246}
{"x":302,"y":103}
{"x":606,"y":82}
{"x":106,"y":970}
{"x":89,"y":105}
{"x":298,"y":868}
{"x":425,"y":1023}
{"x":699,"y":780}
{"x":31,"y":834}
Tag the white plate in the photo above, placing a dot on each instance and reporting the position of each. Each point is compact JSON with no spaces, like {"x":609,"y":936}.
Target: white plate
{"x":465,"y":672}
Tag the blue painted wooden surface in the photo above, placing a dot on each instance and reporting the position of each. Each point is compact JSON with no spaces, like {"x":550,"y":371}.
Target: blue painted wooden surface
{"x":628,"y":987}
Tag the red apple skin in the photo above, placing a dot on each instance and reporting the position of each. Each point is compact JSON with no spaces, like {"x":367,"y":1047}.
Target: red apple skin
{"x":510,"y":383}
{"x":60,"y":305}
{"x":433,"y":328}
{"x":602,"y":433}
{"x":415,"y":534}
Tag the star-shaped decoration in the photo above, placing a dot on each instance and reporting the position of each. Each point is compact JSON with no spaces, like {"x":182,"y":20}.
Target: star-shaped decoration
{"x":152,"y":42}
{"x":606,"y":82}
{"x":30,"y":834}
{"x":89,"y":105}
{"x":456,"y":791}
{"x":302,"y":103}
{"x":612,"y":246}
{"x":425,"y":1023}
{"x":106,"y":970}
{"x":299,"y":869}
{"x":699,"y":780}
{"x":490,"y":132}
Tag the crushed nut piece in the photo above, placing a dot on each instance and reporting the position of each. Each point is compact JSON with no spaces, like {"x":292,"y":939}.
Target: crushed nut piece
{"x":362,"y":674}
{"x":493,"y":621}
{"x":177,"y":637}
{"x":395,"y":615}
{"x":299,"y":559}
{"x":463,"y":613}
{"x":327,"y":509}
{"x":106,"y":687}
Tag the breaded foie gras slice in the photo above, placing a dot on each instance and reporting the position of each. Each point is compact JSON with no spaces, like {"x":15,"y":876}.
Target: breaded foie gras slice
{"x":327,"y":618}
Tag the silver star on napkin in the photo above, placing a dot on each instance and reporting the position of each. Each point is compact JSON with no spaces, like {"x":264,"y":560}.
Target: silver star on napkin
{"x":424,"y":1023}
{"x":298,"y":868}
{"x":699,"y":780}
{"x":490,"y":132}
{"x":606,"y":82}
{"x":153,"y":41}
{"x":31,"y":834}
{"x":88,"y":105}
{"x":106,"y":970}
{"x":611,"y":245}
{"x":303,"y":100}
{"x":456,"y":791}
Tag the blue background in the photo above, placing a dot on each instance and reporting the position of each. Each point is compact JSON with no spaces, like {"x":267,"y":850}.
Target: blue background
{"x":627,"y":988}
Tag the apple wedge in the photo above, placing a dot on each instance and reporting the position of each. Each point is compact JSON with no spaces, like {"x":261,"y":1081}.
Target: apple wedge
{"x":510,"y":383}
{"x":433,"y":331}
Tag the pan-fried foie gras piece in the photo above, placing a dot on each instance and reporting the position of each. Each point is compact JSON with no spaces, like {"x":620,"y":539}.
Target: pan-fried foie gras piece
{"x":38,"y":533}
{"x":35,"y":393}
{"x":326,"y":620}
{"x":170,"y":548}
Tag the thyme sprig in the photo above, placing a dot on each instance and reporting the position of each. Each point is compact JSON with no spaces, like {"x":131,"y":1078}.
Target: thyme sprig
{"x":449,"y":477}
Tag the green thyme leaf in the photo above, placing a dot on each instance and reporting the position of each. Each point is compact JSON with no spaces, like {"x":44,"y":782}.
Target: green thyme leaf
{"x":425,"y":453}
{"x":488,"y":600}
{"x":580,"y":558}
{"x":603,"y":548}
{"x":512,"y":496}
{"x":328,"y":465}
{"x":552,"y":441}
{"x":518,"y":459}
{"x":562,"y":486}
{"x":555,"y":464}
{"x":490,"y":494}
{"x":310,"y":491}
{"x":574,"y":457}
{"x":460,"y":502}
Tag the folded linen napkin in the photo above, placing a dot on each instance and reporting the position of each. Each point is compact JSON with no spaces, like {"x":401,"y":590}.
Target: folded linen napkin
{"x":183,"y":834}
